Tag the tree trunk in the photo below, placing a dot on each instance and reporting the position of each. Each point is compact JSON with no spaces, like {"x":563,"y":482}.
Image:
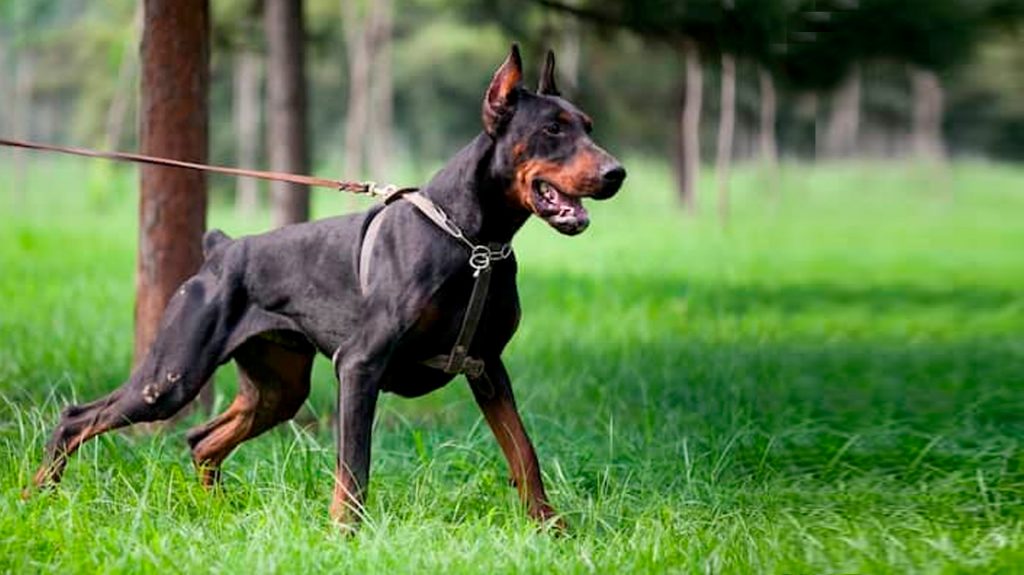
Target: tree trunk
{"x":354,"y":24}
{"x":287,"y":144}
{"x":690,"y":128}
{"x":46,"y":118}
{"x":726,"y":125}
{"x":382,"y":91}
{"x":6,"y":90}
{"x":844,"y":118}
{"x":21,"y":117}
{"x":569,"y":57}
{"x":4,"y":95}
{"x":117,"y":113}
{"x":175,"y":55}
{"x":812,"y":106}
{"x":767,"y":145}
{"x":247,"y":87}
{"x":767,"y":140}
{"x":928,"y":109}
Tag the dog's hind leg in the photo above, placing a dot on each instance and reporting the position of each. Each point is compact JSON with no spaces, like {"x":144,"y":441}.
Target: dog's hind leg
{"x":183,"y":357}
{"x":137,"y":401}
{"x":273,"y":385}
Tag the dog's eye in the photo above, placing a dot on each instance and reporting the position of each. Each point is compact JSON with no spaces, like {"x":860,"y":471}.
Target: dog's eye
{"x":553,"y":129}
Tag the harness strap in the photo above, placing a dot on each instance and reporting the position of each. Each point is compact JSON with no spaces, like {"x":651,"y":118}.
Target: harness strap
{"x":472,"y":367}
{"x":369,"y":239}
{"x":457,"y":358}
{"x":436,"y":214}
{"x":480,"y":259}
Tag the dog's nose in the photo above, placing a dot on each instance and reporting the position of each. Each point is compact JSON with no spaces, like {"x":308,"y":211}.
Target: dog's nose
{"x":611,"y":181}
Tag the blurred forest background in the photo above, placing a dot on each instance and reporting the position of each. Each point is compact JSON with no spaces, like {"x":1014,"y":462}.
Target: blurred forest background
{"x":397,"y":83}
{"x":832,"y":382}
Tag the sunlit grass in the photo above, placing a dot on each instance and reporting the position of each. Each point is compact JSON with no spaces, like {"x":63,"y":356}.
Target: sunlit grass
{"x":830,"y":383}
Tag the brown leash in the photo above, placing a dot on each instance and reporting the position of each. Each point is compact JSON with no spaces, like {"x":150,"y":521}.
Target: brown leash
{"x":346,"y":186}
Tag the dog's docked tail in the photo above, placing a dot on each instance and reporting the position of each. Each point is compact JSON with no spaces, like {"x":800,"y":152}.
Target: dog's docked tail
{"x":211,"y":240}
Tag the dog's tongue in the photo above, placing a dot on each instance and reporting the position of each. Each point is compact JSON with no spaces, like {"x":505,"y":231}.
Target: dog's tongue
{"x":570,"y":207}
{"x":571,"y":217}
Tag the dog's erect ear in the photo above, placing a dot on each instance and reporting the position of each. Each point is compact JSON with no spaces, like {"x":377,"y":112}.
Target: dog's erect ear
{"x":500,"y":101}
{"x":547,"y":85}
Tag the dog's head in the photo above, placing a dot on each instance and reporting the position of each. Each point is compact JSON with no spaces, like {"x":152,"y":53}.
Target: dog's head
{"x":542,"y":147}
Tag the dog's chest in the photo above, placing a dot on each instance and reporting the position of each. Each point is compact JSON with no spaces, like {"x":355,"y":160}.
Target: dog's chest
{"x":440,"y":318}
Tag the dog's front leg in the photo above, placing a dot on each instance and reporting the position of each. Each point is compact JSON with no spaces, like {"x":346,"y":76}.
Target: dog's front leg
{"x":357,"y":400}
{"x":493,"y":393}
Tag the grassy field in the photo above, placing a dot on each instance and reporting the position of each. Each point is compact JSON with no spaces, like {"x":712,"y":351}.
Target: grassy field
{"x":832,"y":384}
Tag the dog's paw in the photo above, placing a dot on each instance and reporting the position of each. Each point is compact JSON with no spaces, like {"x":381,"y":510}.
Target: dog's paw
{"x":40,"y":487}
{"x":549,"y":520}
{"x":345,"y":519}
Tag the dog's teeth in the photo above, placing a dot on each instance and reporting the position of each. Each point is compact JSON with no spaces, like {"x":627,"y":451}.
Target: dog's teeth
{"x":549,"y":192}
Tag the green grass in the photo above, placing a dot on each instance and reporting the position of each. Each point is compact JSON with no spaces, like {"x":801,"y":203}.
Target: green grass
{"x":832,"y":384}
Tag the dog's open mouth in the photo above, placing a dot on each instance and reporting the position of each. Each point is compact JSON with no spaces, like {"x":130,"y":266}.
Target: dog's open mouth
{"x":563,"y":212}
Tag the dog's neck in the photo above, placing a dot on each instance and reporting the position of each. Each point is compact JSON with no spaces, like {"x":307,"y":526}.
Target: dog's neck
{"x":476,"y":199}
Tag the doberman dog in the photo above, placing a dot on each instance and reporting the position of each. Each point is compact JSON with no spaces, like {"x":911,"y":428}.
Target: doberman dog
{"x":272,"y":301}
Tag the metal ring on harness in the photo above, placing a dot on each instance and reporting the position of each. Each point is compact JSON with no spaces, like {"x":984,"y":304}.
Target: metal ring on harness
{"x":480,"y":258}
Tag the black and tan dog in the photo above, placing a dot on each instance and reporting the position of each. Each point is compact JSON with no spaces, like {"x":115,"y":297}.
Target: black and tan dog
{"x":271,"y":302}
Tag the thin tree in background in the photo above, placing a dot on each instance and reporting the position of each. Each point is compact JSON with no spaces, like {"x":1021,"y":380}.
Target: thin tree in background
{"x":117,"y":113}
{"x":175,"y":56}
{"x":812,"y":105}
{"x":4,"y":95}
{"x":287,"y":136}
{"x":767,"y":143}
{"x":689,"y":165}
{"x":369,"y":120}
{"x":726,"y":125}
{"x":569,"y":40}
{"x":381,"y":117}
{"x":24,"y":82}
{"x":355,"y":23}
{"x":843,"y":125}
{"x":247,"y":92}
{"x":927,"y":99}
